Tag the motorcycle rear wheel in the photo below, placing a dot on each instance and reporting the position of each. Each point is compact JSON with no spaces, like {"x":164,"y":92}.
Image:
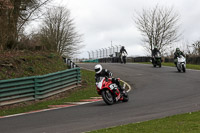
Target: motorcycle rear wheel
{"x":107,"y":97}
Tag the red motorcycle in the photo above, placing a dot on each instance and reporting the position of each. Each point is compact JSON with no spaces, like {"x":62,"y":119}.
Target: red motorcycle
{"x":110,"y":91}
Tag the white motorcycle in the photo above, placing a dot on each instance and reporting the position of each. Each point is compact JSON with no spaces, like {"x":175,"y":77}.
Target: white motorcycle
{"x":123,"y":57}
{"x":181,"y":63}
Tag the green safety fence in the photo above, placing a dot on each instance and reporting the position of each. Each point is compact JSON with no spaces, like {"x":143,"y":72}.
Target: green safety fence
{"x":38,"y":87}
{"x":92,"y":60}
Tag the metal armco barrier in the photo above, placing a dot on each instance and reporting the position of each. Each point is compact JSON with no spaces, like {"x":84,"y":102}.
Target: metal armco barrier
{"x":38,"y":87}
{"x":70,"y":63}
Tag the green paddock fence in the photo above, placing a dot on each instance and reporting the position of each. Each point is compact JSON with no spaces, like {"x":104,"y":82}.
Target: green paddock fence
{"x":38,"y":87}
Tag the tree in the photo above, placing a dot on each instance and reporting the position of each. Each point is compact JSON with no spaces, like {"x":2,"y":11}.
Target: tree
{"x":196,"y":47}
{"x":58,"y":32}
{"x":30,"y":10}
{"x":5,"y":8}
{"x":159,"y":27}
{"x":15,"y":14}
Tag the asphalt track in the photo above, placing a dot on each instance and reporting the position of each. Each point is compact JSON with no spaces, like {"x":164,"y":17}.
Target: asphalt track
{"x":156,"y":93}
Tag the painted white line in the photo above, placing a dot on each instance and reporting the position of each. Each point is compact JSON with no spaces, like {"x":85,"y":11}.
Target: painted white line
{"x":32,"y":112}
{"x":44,"y":110}
{"x":77,"y":103}
{"x":127,"y":85}
{"x":71,"y":104}
{"x":193,"y":70}
{"x":96,"y":97}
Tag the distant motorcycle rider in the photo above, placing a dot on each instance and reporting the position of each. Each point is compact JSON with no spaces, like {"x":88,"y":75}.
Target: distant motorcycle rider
{"x":177,"y":54}
{"x":123,"y":50}
{"x":154,"y":53}
{"x":100,"y":72}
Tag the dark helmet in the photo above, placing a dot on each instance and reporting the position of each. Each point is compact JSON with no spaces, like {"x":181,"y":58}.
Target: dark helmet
{"x":177,"y":49}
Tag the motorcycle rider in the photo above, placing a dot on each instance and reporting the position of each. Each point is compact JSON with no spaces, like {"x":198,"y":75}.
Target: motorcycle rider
{"x":177,"y":54}
{"x":100,"y":72}
{"x":122,"y":50}
{"x":154,"y":52}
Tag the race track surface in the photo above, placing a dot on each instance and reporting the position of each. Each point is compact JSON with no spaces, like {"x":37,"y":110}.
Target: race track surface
{"x":156,"y":93}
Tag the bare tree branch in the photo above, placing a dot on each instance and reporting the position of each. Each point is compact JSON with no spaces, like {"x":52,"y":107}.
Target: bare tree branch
{"x":58,"y":32}
{"x":159,"y":27}
{"x":29,"y":13}
{"x":15,"y":15}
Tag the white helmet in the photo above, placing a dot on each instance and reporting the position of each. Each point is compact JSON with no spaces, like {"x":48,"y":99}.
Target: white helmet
{"x":98,"y":68}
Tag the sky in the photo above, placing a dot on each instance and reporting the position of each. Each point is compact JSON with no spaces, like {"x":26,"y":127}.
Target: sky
{"x":110,"y":22}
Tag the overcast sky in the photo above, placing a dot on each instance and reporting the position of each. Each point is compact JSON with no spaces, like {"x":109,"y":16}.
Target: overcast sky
{"x":103,"y":21}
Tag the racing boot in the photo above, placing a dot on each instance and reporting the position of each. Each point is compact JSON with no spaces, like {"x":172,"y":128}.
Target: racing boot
{"x":121,"y":89}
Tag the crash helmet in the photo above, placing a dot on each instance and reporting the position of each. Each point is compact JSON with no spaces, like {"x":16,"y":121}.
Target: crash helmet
{"x":177,"y":49}
{"x":155,"y":47}
{"x":98,"y":68}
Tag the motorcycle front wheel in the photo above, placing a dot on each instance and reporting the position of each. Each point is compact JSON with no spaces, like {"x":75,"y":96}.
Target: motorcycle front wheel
{"x":178,"y":69}
{"x":183,"y":67}
{"x":124,"y":60}
{"x":159,"y":63}
{"x":107,"y":97}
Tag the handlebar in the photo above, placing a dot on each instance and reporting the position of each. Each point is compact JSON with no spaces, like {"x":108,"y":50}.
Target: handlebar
{"x":107,"y":79}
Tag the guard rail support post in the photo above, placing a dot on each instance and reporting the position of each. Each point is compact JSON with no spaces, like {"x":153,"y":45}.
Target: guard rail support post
{"x":68,"y":62}
{"x":36,"y":87}
{"x":71,"y":64}
{"x":79,"y":75}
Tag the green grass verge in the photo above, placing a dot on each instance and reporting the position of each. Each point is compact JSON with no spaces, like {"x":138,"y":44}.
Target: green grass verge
{"x":86,"y":91}
{"x":188,"y":66}
{"x":184,"y":123}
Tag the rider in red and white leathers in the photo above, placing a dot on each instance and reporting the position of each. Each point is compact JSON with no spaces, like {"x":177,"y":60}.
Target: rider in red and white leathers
{"x":100,"y":72}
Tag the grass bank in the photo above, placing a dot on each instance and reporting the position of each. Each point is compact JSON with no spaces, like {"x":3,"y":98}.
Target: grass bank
{"x":86,"y":91}
{"x":184,"y":123}
{"x":16,"y":64}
